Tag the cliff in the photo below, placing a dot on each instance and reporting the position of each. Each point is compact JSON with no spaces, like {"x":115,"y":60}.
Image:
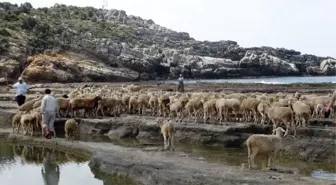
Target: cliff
{"x":76,"y":44}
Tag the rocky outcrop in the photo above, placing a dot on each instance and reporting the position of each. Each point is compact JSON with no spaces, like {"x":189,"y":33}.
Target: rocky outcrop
{"x":121,"y":47}
{"x":71,"y":67}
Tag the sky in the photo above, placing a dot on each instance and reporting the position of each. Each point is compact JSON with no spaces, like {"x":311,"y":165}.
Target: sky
{"x":308,"y":26}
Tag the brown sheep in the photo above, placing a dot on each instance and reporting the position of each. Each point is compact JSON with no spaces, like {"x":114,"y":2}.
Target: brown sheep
{"x":84,"y":103}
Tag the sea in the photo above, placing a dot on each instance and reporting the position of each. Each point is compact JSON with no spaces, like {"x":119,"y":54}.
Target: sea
{"x":265,"y":80}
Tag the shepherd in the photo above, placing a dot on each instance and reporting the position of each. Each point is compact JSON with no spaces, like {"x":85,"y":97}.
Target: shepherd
{"x":180,"y":86}
{"x":21,"y":89}
{"x":49,"y":109}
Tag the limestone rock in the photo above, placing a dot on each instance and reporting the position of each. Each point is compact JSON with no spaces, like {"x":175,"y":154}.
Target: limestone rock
{"x":69,"y":67}
{"x":328,"y":67}
{"x":265,"y":64}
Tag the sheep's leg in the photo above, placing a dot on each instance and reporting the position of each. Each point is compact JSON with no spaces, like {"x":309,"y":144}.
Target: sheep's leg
{"x":165,"y":141}
{"x":269,"y":159}
{"x":205,"y":116}
{"x":32,"y":130}
{"x":332,"y":113}
{"x":220,"y":115}
{"x":256,"y":117}
{"x":252,"y":156}
{"x":171,"y":144}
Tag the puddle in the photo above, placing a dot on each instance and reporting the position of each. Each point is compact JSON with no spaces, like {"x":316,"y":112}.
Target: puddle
{"x":227,"y":156}
{"x":39,"y":166}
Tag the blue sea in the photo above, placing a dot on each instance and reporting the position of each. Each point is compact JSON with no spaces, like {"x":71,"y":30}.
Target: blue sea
{"x":266,"y":80}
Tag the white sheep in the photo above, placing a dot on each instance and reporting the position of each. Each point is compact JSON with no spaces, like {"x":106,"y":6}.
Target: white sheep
{"x":265,"y":144}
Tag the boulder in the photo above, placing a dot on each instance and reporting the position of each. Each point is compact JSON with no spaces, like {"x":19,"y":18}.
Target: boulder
{"x":328,"y":67}
{"x":69,"y":67}
{"x":265,"y":65}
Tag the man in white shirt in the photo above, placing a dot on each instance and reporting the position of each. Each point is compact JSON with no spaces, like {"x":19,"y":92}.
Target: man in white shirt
{"x":21,"y":90}
{"x":49,"y":109}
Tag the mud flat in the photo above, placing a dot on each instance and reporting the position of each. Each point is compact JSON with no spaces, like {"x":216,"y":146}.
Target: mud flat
{"x":155,"y":167}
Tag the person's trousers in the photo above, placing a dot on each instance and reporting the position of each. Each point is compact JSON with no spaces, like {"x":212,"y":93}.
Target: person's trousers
{"x":48,"y":118}
{"x":20,"y":99}
{"x":180,"y":87}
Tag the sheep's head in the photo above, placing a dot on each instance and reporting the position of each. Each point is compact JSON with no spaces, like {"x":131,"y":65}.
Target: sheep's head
{"x":278,"y":131}
{"x":98,"y":98}
{"x":159,"y":121}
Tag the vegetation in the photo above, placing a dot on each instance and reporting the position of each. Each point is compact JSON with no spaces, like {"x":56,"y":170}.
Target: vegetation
{"x":59,"y":26}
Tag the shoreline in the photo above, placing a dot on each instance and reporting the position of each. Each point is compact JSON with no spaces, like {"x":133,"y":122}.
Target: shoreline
{"x":153,"y":167}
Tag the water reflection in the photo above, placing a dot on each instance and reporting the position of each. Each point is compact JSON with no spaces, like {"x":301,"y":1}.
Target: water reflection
{"x":23,"y":164}
{"x":50,"y":170}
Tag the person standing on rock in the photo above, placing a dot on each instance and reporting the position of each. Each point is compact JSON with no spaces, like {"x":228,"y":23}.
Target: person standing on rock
{"x":21,"y":89}
{"x":49,"y":109}
{"x":180,"y":86}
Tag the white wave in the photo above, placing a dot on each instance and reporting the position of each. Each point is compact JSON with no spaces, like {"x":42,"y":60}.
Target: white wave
{"x":265,"y":82}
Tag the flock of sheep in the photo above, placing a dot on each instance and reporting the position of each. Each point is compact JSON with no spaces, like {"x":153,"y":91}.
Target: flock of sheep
{"x":292,"y":110}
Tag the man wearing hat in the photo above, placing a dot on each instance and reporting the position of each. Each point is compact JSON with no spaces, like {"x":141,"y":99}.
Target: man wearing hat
{"x":21,"y":90}
{"x":180,"y":86}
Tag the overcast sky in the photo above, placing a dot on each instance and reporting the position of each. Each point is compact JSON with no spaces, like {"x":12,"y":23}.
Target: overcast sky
{"x":308,"y":26}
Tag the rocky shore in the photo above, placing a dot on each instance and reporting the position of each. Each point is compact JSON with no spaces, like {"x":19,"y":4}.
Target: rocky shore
{"x":115,"y":47}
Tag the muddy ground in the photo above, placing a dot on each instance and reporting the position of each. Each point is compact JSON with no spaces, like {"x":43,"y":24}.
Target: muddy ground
{"x":316,"y":143}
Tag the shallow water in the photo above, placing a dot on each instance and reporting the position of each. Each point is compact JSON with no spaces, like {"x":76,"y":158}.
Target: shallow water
{"x":267,"y":80}
{"x":227,"y":156}
{"x":26,"y":165}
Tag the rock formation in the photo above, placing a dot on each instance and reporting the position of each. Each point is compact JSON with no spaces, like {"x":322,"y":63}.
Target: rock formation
{"x":73,"y":44}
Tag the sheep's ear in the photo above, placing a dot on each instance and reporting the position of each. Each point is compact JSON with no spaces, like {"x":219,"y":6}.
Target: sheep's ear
{"x":286,"y":132}
{"x":283,"y":130}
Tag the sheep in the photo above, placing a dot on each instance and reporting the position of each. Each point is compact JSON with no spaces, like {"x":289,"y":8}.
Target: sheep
{"x":133,"y":103}
{"x":262,"y":109}
{"x":302,"y":112}
{"x":153,"y":103}
{"x":109,"y":104}
{"x":125,"y":101}
{"x":232,"y":104}
{"x":176,"y":107}
{"x":193,"y":105}
{"x":297,"y":95}
{"x":142,"y":103}
{"x":249,"y":107}
{"x":16,"y":121}
{"x":319,"y":110}
{"x":27,"y":106}
{"x":70,"y":127}
{"x":267,"y":144}
{"x":284,"y":114}
{"x":163,"y":102}
{"x":27,"y":121}
{"x":37,"y":104}
{"x":84,"y":103}
{"x":167,"y":130}
{"x":63,"y":104}
{"x":209,"y":107}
